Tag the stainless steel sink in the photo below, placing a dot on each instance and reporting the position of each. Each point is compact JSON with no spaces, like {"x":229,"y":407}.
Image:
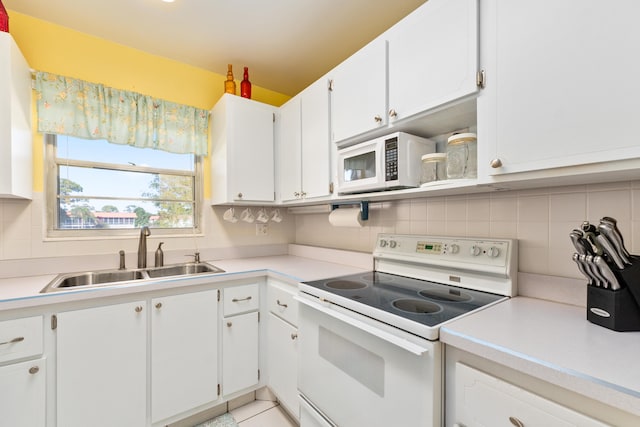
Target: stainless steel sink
{"x":91,"y":279}
{"x":183,"y":269}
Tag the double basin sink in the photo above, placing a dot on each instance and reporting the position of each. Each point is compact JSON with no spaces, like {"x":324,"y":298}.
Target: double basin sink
{"x":91,"y":279}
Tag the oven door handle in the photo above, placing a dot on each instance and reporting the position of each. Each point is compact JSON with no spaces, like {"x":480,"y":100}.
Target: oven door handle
{"x":376,"y":332}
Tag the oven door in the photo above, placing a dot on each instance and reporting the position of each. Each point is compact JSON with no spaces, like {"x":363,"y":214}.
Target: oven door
{"x":361,"y":167}
{"x":359,"y":372}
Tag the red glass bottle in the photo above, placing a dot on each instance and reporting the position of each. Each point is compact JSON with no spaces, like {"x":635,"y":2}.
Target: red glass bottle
{"x":245,"y":85}
{"x":4,"y":18}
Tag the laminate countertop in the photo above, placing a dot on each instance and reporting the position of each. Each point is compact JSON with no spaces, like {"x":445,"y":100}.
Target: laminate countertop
{"x":555,"y":343}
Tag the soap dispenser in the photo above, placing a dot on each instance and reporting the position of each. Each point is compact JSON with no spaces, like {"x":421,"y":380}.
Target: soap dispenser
{"x":159,"y":256}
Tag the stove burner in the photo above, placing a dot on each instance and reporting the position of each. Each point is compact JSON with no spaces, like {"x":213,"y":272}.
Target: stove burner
{"x":451,"y":295}
{"x":417,"y":306}
{"x":345,"y":284}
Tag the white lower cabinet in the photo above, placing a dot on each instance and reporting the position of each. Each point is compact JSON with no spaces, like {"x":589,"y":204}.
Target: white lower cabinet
{"x":101,"y":363}
{"x":22,"y":387}
{"x":184,"y":353}
{"x":484,"y":400}
{"x":283,"y":362}
{"x":240,"y":361}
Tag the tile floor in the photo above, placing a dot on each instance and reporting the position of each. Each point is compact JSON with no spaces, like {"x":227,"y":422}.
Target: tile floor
{"x":262,"y":413}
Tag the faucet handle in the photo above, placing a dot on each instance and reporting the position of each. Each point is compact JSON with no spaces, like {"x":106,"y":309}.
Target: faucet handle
{"x":196,"y":257}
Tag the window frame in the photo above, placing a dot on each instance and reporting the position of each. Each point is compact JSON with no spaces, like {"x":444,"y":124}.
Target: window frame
{"x":52,"y":163}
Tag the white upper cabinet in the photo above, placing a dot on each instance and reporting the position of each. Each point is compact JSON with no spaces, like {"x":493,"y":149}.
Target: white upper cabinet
{"x":15,"y":121}
{"x":359,"y":95}
{"x":242,"y":158}
{"x":433,"y":57}
{"x":562,"y":86}
{"x":304,"y":148}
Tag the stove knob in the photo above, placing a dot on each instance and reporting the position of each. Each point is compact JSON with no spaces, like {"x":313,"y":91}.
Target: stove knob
{"x":383,"y":243}
{"x":475,"y":250}
{"x":493,"y":252}
{"x":393,"y":244}
{"x":455,"y":249}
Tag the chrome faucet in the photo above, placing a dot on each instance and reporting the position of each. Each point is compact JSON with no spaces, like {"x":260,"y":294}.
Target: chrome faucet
{"x":142,"y":247}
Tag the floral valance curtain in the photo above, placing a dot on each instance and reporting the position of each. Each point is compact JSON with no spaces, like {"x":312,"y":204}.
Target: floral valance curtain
{"x":78,"y":108}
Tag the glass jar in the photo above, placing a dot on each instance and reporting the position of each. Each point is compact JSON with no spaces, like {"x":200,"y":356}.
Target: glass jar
{"x":433,"y":167}
{"x":462,"y":156}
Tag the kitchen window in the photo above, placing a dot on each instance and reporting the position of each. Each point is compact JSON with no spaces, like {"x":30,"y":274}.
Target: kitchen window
{"x":97,"y":188}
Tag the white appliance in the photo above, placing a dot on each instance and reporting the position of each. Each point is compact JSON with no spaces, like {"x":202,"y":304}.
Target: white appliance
{"x":389,"y":162}
{"x":369,"y":341}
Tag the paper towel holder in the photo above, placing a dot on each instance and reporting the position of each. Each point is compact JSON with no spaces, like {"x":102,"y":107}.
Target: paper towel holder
{"x":364,"y":208}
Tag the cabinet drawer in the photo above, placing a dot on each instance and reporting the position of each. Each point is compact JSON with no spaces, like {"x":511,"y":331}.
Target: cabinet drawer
{"x":282,"y":304}
{"x":484,"y":400}
{"x":20,"y":338}
{"x":241,"y":299}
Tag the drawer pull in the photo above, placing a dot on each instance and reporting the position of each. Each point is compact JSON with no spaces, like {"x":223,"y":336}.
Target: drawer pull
{"x":516,"y":422}
{"x":138,"y":309}
{"x":159,"y":305}
{"x":229,"y":324}
{"x":13,"y":341}
{"x":294,"y":335}
{"x":34,"y":370}
{"x":281,"y":304}
{"x":241,"y":299}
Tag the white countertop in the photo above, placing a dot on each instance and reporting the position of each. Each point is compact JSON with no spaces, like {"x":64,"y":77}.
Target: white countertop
{"x":554,"y":342}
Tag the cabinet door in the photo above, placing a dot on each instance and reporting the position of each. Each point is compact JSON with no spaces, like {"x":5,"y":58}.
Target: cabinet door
{"x":251,"y":151}
{"x":358,"y":97}
{"x":283,"y":362}
{"x":22,"y":387}
{"x":433,"y":57}
{"x":316,"y":167}
{"x":184,"y":353}
{"x":289,"y":172}
{"x":101,"y":366}
{"x":562,"y":85}
{"x":484,"y":400}
{"x":239,"y":352}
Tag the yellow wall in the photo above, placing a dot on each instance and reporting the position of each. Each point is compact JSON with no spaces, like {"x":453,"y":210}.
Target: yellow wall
{"x":56,"y":49}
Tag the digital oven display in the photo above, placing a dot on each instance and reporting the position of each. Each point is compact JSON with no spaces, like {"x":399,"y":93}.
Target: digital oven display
{"x":429,"y":248}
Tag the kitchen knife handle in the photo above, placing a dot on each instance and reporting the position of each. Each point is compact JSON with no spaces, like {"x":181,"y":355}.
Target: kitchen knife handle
{"x":610,"y":251}
{"x":607,"y":272}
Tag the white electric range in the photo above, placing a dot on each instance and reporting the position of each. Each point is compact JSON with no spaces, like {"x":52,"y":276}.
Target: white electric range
{"x":371,"y":339}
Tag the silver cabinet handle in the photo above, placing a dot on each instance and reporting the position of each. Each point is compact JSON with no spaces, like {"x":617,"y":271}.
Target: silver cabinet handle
{"x":516,"y":422}
{"x":229,"y":324}
{"x":159,"y":305}
{"x":241,"y":299}
{"x":34,"y":370}
{"x":378,"y":119}
{"x":138,"y":309}
{"x":296,"y":194}
{"x":281,"y":304}
{"x":303,"y":194}
{"x":239,"y":195}
{"x":294,"y":335}
{"x":13,"y":341}
{"x":495,"y":163}
{"x":393,"y":114}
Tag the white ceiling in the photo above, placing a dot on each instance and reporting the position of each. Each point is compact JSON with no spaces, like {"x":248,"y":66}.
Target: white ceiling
{"x":287,"y":44}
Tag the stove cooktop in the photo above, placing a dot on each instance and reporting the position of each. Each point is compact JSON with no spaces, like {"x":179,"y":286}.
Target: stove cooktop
{"x":425,"y":302}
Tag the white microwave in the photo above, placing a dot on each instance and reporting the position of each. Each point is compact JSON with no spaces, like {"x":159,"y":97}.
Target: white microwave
{"x":385,"y":163}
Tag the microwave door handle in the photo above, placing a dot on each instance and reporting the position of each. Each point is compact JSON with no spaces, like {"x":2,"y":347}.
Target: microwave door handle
{"x":379,"y":333}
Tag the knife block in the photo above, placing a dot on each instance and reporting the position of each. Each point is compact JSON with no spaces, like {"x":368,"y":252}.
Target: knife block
{"x":617,"y":310}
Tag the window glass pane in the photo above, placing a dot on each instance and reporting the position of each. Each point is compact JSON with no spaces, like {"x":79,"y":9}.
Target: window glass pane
{"x":123,"y":184}
{"x":85,"y":213}
{"x":105,"y":152}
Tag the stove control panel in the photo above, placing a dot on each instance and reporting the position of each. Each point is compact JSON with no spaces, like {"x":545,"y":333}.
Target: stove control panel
{"x":483,"y":264}
{"x":432,"y":249}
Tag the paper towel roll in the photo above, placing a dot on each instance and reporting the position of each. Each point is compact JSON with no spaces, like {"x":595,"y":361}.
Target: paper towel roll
{"x":345,"y":217}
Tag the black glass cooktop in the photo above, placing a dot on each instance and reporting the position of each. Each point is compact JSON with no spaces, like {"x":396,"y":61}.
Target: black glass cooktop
{"x":425,"y":302}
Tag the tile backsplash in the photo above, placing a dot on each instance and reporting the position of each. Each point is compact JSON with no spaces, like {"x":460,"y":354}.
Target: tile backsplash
{"x":540,"y":219}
